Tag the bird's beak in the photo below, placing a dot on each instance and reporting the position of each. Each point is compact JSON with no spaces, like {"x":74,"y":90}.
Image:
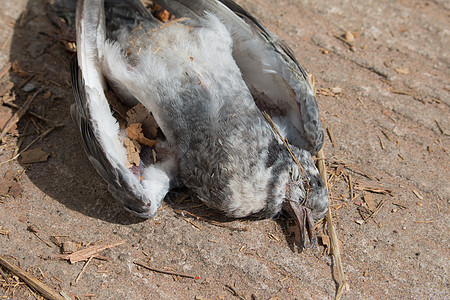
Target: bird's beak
{"x":303,"y":220}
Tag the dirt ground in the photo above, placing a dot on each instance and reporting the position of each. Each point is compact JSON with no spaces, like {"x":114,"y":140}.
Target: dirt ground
{"x":384,"y":100}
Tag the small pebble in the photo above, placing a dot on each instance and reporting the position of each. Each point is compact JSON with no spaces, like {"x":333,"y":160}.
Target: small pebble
{"x":29,"y":87}
{"x":349,"y":37}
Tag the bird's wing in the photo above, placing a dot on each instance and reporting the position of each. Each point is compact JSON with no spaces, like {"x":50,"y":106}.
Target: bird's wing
{"x":99,"y":129}
{"x":277,"y":82}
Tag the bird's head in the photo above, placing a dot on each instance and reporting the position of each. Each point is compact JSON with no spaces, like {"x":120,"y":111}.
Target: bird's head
{"x":306,"y":197}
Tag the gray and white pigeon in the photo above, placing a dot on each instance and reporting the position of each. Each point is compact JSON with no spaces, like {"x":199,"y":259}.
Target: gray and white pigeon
{"x":206,"y":77}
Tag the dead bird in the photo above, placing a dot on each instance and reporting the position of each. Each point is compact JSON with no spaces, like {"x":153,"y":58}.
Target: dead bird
{"x":206,"y":77}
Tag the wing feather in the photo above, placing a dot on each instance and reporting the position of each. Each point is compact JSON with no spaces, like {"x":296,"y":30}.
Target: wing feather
{"x":276,"y":80}
{"x":98,"y":128}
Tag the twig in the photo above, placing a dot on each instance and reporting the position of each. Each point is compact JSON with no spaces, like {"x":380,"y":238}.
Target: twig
{"x":401,"y":93}
{"x":400,"y":206}
{"x":33,"y":114}
{"x":417,"y":194}
{"x":377,"y":209}
{"x":235,"y":293}
{"x":39,"y":286}
{"x":386,"y":135}
{"x":6,"y":42}
{"x":5,"y":70}
{"x":41,"y":136}
{"x":435,"y":100}
{"x":192,"y":223}
{"x":37,"y":235}
{"x":17,"y":115}
{"x":361,"y":101}
{"x":362,"y":186}
{"x":357,"y":170}
{"x":182,"y":212}
{"x":381,"y":142}
{"x":342,"y":279}
{"x":376,"y":222}
{"x":28,"y":79}
{"x":350,"y":186}
{"x":164,"y":271}
{"x":440,"y":127}
{"x":344,"y":40}
{"x":88,"y":252}
{"x":83,"y":269}
{"x":330,"y":134}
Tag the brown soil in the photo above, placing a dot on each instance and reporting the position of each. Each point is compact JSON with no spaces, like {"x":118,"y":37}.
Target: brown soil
{"x":390,"y":127}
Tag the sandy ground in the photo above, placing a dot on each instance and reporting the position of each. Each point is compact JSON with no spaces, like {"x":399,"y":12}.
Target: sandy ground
{"x":390,"y":129}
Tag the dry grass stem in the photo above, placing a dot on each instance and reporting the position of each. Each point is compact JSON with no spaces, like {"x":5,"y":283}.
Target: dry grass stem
{"x":375,"y":212}
{"x":84,"y":254}
{"x":401,"y":93}
{"x":33,"y":114}
{"x":440,"y":128}
{"x":400,"y":206}
{"x":192,"y":223}
{"x":83,"y":269}
{"x":237,"y":293}
{"x":386,"y":135}
{"x":164,"y":271}
{"x":350,"y":186}
{"x":343,"y":40}
{"x":5,"y":70}
{"x":28,"y":79}
{"x":361,"y":186}
{"x":6,"y":43}
{"x":355,"y":169}
{"x":361,"y":101}
{"x":39,"y":238}
{"x":343,"y":284}
{"x":31,"y":281}
{"x":17,"y":115}
{"x":330,"y":135}
{"x":41,"y":136}
{"x":183,"y":212}
{"x":381,"y":142}
{"x":417,"y":194}
{"x":288,"y":147}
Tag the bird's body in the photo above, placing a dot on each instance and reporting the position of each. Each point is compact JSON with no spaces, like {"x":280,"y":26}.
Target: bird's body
{"x":205,"y":77}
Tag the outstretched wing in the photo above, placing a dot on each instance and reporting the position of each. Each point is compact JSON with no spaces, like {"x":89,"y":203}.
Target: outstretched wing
{"x":277,"y":82}
{"x":99,"y":129}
